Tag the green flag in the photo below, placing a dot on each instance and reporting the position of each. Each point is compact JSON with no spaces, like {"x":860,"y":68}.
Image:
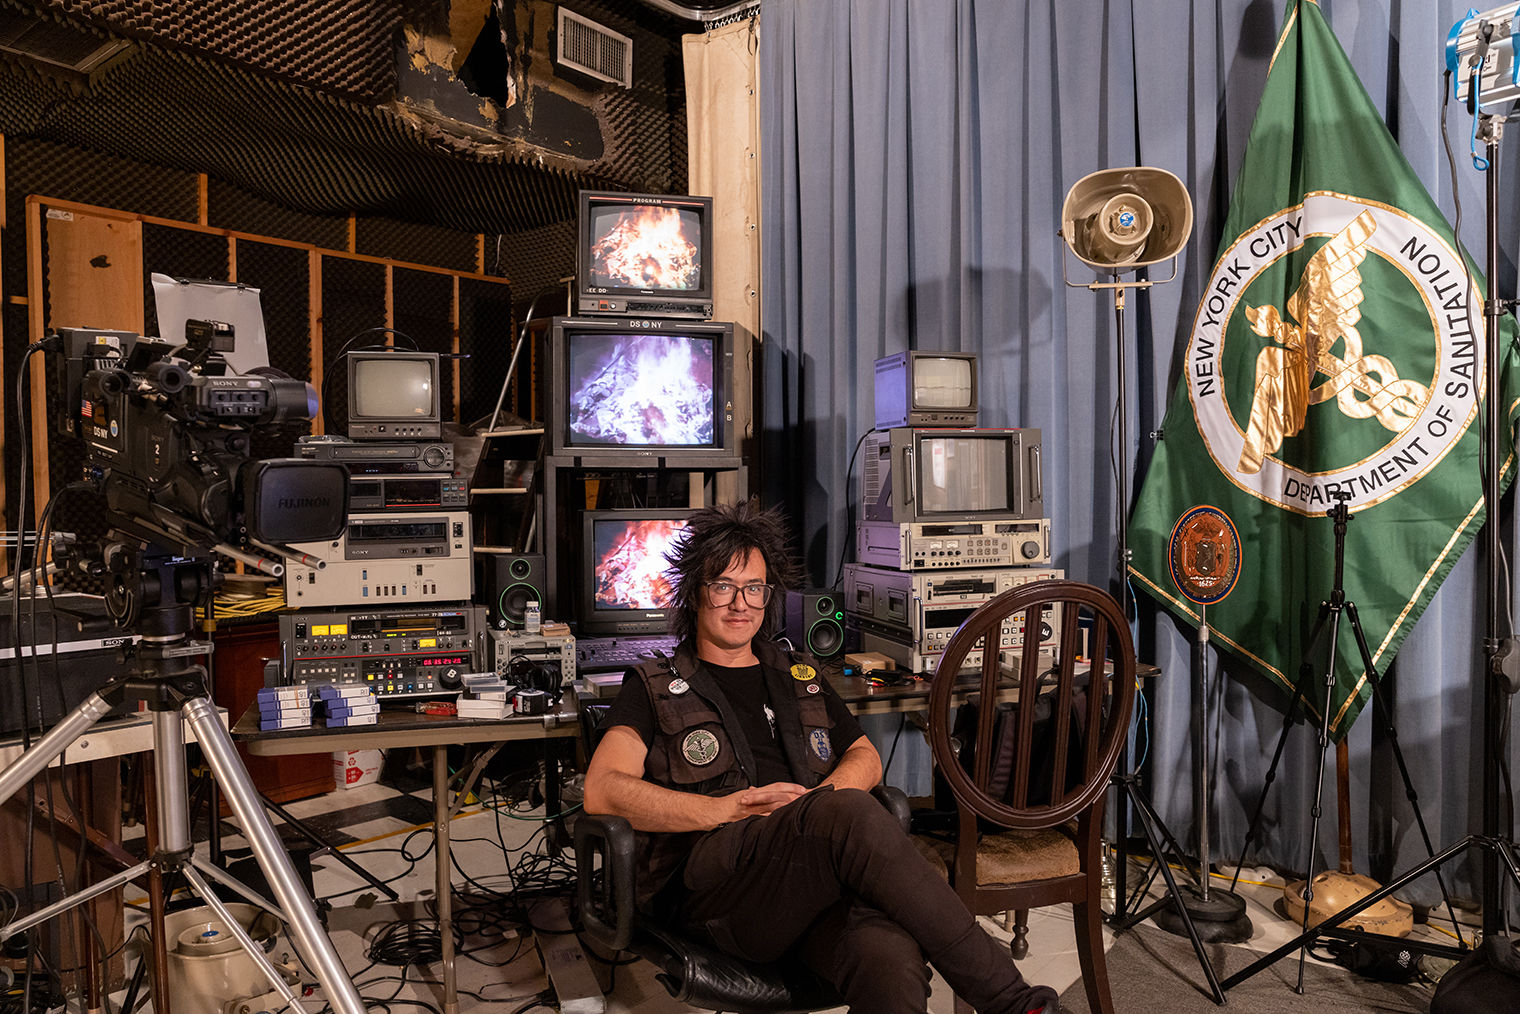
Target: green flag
{"x":1338,"y":347}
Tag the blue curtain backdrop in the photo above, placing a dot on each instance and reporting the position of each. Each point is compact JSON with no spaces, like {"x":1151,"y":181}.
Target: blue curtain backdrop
{"x":915,"y":157}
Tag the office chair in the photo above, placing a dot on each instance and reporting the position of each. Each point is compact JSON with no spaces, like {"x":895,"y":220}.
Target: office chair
{"x":1029,"y":791}
{"x":693,"y":973}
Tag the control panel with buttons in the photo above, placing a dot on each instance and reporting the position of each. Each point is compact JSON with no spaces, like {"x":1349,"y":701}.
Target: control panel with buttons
{"x":394,"y":653}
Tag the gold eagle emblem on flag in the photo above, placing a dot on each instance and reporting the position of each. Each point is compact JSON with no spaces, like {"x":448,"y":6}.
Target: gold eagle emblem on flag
{"x":1324,"y":311}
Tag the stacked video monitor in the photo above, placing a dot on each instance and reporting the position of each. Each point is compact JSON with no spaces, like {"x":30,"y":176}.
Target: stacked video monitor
{"x":952,"y":514}
{"x":639,"y":380}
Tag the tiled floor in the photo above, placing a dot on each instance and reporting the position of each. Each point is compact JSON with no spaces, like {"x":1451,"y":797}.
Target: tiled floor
{"x":499,"y":846}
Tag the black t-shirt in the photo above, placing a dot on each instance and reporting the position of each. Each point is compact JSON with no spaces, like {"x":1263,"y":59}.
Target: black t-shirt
{"x":744,"y":688}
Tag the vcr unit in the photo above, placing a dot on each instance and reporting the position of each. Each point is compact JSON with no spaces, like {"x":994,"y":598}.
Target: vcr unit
{"x":393,"y":652}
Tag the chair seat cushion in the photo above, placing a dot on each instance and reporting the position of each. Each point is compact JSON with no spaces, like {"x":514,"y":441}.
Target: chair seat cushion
{"x":1012,"y":856}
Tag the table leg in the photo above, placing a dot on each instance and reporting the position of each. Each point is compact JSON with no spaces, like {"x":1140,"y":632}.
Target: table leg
{"x":445,"y":892}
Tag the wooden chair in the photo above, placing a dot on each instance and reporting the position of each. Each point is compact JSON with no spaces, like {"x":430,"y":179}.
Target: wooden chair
{"x":1029,"y":798}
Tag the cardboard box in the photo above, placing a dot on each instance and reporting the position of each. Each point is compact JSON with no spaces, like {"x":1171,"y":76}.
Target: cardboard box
{"x":352,"y":768}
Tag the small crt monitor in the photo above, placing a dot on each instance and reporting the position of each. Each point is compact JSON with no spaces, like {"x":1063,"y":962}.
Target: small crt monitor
{"x":626,"y":581}
{"x":394,"y":395}
{"x":918,"y":388}
{"x":630,"y":391}
{"x":644,"y":254}
{"x":924,"y":474}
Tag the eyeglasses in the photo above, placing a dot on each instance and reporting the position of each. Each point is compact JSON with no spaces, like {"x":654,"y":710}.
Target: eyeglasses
{"x":721,"y":593}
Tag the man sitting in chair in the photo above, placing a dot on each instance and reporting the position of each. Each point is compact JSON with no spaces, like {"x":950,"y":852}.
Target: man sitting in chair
{"x":748,"y":780}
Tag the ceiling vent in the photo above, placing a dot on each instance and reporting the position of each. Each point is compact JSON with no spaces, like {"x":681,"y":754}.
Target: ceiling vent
{"x":593,"y":49}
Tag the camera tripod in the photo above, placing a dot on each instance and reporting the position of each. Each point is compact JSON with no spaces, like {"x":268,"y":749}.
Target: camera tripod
{"x":152,"y":593}
{"x":1329,"y":620}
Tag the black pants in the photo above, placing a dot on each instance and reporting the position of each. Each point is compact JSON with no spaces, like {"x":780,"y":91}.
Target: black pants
{"x":831,"y":880}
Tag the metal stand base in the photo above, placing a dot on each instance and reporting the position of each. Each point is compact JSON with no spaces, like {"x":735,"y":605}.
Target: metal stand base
{"x":1218,"y":919}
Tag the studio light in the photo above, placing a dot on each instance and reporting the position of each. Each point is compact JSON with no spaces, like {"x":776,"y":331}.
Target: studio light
{"x":1480,"y":50}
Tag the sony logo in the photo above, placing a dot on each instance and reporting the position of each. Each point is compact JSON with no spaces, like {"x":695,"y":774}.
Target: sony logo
{"x":302,"y":502}
{"x":239,"y":382}
{"x":648,"y":324}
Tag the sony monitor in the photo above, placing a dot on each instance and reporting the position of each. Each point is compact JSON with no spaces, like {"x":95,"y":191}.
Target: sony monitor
{"x":626,"y":584}
{"x":644,"y":255}
{"x":394,"y":395}
{"x":638,"y":392}
{"x":918,"y":388}
{"x":922,"y":474}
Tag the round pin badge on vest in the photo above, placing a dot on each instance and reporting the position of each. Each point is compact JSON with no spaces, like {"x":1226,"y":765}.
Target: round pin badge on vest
{"x":813,"y":689}
{"x":678,"y":686}
{"x":700,"y":747}
{"x":803,"y":672}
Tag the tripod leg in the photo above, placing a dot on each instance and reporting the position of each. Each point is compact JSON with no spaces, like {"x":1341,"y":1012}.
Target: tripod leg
{"x":1282,"y":741}
{"x":309,"y":936}
{"x":306,"y":832}
{"x":1319,"y":788}
{"x":234,"y":927}
{"x":52,"y":745}
{"x":249,"y":894}
{"x":1148,"y":823}
{"x":1398,"y":757}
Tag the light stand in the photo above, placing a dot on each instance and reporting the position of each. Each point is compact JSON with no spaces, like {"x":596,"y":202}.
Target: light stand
{"x":1117,"y":221}
{"x":153,"y":594}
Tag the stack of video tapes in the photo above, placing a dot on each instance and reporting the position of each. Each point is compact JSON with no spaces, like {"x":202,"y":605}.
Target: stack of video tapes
{"x":344,"y":705}
{"x":284,"y":708}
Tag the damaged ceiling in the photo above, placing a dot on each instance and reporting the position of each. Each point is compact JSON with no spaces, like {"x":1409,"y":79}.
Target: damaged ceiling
{"x":455,"y":114}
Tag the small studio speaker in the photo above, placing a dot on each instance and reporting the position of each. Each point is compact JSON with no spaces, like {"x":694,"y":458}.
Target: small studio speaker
{"x":815,"y":622}
{"x":507,"y":583}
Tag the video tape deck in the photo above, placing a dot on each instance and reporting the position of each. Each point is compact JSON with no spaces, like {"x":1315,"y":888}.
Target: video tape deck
{"x":910,"y":617}
{"x":910,"y":545}
{"x":383,"y":557}
{"x":396,"y":653}
{"x":381,"y":458}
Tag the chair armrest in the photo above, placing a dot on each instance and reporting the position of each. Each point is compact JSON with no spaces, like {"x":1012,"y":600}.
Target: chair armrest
{"x":896,"y":801}
{"x":605,"y":898}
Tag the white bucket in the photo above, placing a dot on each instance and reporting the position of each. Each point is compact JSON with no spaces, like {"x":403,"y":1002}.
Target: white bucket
{"x":207,"y":966}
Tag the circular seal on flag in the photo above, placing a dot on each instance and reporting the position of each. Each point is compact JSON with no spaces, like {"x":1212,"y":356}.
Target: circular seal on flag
{"x":803,"y":672}
{"x":1337,"y":349}
{"x":678,"y":686}
{"x":818,"y":740}
{"x":1204,"y":555}
{"x":700,"y":747}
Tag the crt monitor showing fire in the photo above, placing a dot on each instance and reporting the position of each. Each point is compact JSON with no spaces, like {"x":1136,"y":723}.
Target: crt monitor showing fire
{"x":632,"y":571}
{"x":641,"y":390}
{"x":646,"y":248}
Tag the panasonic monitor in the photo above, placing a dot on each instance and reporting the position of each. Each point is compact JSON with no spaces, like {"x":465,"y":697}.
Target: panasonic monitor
{"x":626,"y":584}
{"x":926,"y":389}
{"x":644,"y":255}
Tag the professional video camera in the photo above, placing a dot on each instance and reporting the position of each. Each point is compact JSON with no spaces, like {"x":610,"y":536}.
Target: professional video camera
{"x":166,"y":439}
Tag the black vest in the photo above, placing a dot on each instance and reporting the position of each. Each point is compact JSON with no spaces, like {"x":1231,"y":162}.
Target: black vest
{"x":699,"y":744}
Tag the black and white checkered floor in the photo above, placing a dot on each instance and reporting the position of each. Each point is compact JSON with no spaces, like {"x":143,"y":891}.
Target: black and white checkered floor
{"x":500,"y":859}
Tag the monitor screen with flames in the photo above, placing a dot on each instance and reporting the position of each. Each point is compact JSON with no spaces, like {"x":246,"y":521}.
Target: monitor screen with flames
{"x":627,"y":584}
{"x":644,"y":254}
{"x":642,"y":247}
